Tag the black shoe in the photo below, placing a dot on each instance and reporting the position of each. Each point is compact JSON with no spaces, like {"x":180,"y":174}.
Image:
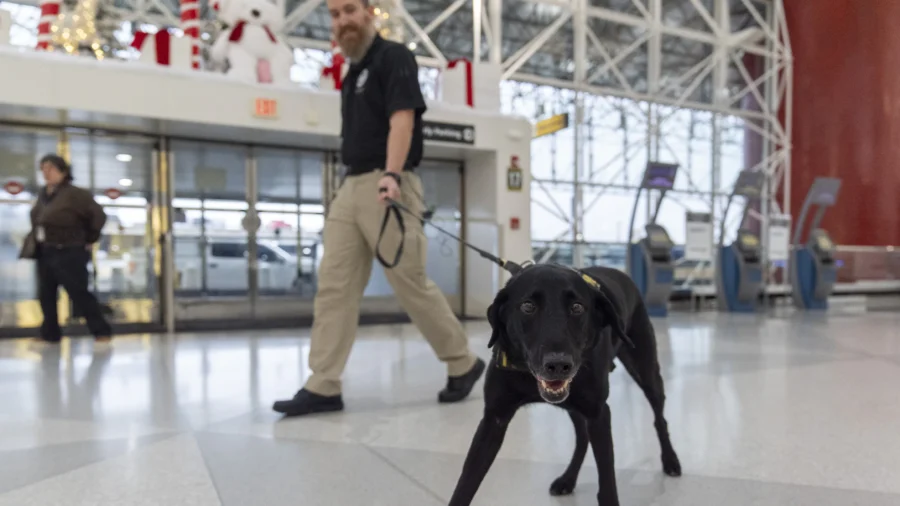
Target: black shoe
{"x":307,"y":403}
{"x":459,"y":387}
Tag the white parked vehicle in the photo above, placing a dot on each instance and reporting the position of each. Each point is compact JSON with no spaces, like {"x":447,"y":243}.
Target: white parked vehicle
{"x":226,"y":265}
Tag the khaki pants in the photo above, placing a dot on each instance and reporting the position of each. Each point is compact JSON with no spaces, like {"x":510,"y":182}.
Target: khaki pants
{"x":351,"y":231}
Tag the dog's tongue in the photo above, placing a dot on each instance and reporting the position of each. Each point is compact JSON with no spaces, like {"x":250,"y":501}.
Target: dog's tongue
{"x":555,"y":385}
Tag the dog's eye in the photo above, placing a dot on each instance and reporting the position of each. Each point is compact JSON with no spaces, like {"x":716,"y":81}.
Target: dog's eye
{"x":527,"y":307}
{"x":577,"y":308}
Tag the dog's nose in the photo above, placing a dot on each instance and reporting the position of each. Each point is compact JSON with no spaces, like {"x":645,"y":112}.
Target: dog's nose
{"x":254,"y":13}
{"x":558,"y":365}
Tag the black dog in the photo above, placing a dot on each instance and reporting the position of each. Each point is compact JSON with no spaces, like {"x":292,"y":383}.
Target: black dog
{"x":555,"y":333}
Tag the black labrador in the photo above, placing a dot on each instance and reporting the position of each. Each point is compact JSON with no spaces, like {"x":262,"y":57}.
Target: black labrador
{"x":555,"y":333}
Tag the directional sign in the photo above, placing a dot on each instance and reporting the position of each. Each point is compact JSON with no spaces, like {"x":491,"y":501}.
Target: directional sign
{"x":551,"y":125}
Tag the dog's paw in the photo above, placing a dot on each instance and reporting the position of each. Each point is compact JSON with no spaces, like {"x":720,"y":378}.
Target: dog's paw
{"x":671,"y":465}
{"x":562,"y":486}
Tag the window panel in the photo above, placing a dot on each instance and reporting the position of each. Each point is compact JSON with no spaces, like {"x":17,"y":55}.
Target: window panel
{"x":546,"y":223}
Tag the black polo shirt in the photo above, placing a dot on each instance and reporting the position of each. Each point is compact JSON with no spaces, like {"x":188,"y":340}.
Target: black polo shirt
{"x":386,"y":80}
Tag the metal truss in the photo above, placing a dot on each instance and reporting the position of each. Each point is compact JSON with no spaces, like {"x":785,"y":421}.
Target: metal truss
{"x":627,"y":66}
{"x":731,"y":59}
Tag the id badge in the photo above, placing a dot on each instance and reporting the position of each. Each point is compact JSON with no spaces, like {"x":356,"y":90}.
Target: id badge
{"x":39,"y":234}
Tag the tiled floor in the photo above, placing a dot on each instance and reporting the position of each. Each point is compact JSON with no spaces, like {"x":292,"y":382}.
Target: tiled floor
{"x":796,"y":410}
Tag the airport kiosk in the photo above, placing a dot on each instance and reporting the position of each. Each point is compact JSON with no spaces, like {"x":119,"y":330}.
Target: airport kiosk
{"x":649,"y":261}
{"x":739,"y":265}
{"x":813,"y":270}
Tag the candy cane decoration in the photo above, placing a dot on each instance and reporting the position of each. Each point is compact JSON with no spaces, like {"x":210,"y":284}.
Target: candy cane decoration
{"x":49,"y":14}
{"x":190,"y":23}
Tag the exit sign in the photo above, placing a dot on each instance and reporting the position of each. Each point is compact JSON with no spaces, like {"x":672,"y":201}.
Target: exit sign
{"x":265,"y":108}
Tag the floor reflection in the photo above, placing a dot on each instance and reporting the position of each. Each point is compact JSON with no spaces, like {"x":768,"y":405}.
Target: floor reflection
{"x":795,"y":406}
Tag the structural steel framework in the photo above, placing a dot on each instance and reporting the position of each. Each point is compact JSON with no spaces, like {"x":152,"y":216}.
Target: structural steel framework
{"x":649,"y":70}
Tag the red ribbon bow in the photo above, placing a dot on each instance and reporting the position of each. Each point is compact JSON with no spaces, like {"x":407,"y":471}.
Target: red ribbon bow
{"x":470,"y":88}
{"x":238,"y":31}
{"x":334,"y":70}
{"x":162,"y":39}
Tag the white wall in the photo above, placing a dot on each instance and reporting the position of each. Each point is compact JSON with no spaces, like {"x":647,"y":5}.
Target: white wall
{"x":5,"y":26}
{"x":171,"y":98}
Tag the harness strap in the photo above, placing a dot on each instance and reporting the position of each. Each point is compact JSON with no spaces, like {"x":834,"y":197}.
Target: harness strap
{"x":502,"y":361}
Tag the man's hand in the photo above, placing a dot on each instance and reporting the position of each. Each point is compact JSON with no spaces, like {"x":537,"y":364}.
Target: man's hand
{"x":393,"y":189}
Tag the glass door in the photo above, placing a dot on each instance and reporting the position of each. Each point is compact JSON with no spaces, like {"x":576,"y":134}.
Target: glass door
{"x":211,"y":242}
{"x":118,"y":170}
{"x":291,"y":215}
{"x":20,"y":151}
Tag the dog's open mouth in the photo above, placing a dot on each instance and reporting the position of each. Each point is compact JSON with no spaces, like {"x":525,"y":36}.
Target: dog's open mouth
{"x":554,"y":390}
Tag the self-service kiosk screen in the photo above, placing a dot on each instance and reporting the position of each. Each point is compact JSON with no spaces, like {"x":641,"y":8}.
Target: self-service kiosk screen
{"x":749,"y":241}
{"x":824,"y":243}
{"x":749,"y":184}
{"x":749,"y":246}
{"x":660,"y":175}
{"x":658,"y":237}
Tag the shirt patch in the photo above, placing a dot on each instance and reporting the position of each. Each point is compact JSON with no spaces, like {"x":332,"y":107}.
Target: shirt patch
{"x":361,"y":80}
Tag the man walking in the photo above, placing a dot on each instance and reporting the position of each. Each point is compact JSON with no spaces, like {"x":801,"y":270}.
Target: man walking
{"x":381,"y":109}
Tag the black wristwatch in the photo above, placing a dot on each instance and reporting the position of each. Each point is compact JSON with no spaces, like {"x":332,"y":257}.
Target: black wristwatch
{"x":394,"y":175}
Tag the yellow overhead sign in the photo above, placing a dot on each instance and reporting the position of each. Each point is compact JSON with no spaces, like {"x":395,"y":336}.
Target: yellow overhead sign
{"x":551,"y":125}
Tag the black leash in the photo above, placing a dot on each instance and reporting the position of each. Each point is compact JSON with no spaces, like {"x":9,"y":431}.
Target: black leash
{"x":511,"y":267}
{"x":384,"y":222}
{"x":395,"y":208}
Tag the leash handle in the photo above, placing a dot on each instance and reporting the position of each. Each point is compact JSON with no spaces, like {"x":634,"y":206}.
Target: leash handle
{"x":387,"y":216}
{"x":509,"y":266}
{"x":399,"y":254}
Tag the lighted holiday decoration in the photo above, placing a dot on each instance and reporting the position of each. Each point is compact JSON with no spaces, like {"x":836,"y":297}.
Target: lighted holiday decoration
{"x":250,"y":47}
{"x":387,"y":22}
{"x":75,"y":31}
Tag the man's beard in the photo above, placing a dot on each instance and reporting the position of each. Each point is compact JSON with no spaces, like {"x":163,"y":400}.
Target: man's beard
{"x":355,"y":48}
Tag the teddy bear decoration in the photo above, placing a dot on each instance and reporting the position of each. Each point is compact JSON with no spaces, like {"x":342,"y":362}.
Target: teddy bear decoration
{"x":249,"y":46}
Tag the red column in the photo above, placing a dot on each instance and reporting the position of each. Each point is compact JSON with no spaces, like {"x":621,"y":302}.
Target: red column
{"x":847,"y":113}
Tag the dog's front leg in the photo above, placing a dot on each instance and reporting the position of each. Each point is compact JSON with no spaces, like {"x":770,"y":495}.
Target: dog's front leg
{"x":482,"y":452}
{"x":600,"y":429}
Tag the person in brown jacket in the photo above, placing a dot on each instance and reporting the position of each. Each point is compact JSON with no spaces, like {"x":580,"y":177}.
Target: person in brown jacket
{"x":65,"y":222}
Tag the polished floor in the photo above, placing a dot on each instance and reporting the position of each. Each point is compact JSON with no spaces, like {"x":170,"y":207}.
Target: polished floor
{"x":791,"y":410}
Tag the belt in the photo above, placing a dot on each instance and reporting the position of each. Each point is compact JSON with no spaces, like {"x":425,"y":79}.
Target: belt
{"x":60,"y":246}
{"x":356,"y":170}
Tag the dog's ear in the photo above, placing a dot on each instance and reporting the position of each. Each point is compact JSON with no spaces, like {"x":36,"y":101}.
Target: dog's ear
{"x":495,"y":317}
{"x":607,"y":310}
